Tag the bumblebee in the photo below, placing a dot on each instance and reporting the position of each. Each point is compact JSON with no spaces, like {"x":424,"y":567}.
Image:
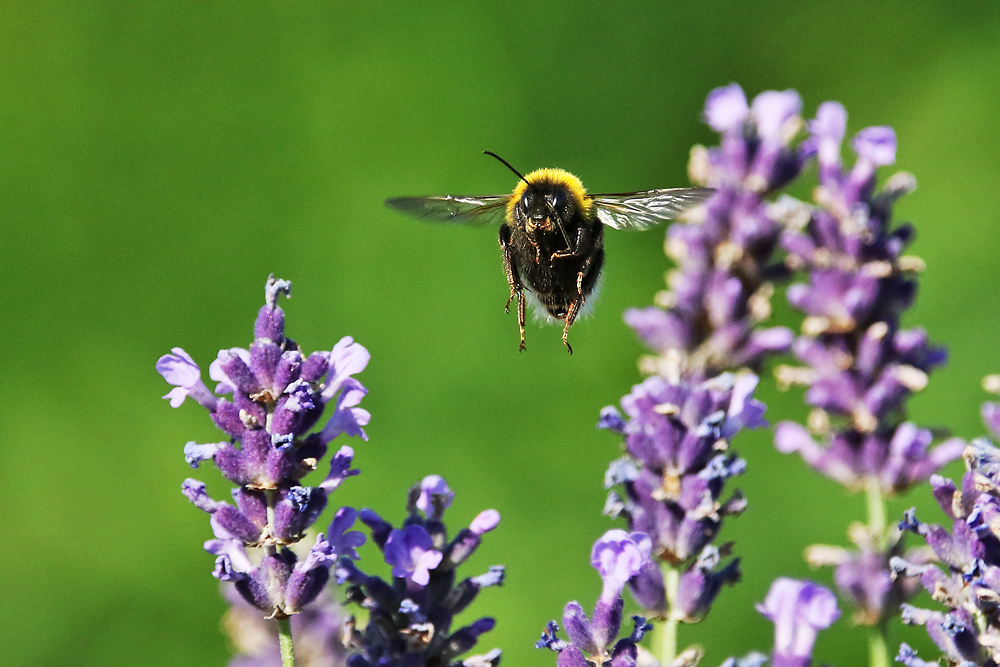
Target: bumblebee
{"x":552,"y":233}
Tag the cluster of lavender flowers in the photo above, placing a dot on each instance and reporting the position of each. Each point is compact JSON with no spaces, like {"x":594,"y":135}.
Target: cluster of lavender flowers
{"x":708,"y":321}
{"x":278,"y":396}
{"x":965,"y":574}
{"x":410,"y":617}
{"x":707,"y":335}
{"x":672,"y":483}
{"x":861,"y":364}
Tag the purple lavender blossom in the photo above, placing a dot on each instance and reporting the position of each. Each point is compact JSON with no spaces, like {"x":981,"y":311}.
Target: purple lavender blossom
{"x":410,"y":616}
{"x":278,"y":396}
{"x":673,"y":480}
{"x":799,"y":610}
{"x":617,"y":556}
{"x":412,"y":556}
{"x":180,"y":370}
{"x":863,"y":574}
{"x":861,"y":365}
{"x":720,"y":291}
{"x":966,"y":578}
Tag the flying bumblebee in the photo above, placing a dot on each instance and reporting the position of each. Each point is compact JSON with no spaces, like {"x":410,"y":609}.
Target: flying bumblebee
{"x":552,"y":233}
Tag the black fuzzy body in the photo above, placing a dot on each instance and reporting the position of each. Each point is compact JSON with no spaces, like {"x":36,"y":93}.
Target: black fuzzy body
{"x":553,"y":247}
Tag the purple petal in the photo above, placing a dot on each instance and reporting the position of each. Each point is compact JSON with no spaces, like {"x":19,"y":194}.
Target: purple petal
{"x":435,"y":496}
{"x":618,"y":556}
{"x":772,"y":109}
{"x":346,"y":359}
{"x":195,"y":453}
{"x":347,"y":418}
{"x":798,"y":609}
{"x":195,"y":491}
{"x":180,"y":370}
{"x":726,"y":108}
{"x":485,"y":521}
{"x":411,"y":555}
{"x":876,"y":145}
{"x":343,"y":540}
{"x":340,"y":469}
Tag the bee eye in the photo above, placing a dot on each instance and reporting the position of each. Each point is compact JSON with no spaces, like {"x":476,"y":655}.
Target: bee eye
{"x":557,"y":200}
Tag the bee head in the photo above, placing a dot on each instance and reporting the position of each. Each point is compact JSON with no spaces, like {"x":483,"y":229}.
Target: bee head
{"x":542,"y":201}
{"x":547,"y":195}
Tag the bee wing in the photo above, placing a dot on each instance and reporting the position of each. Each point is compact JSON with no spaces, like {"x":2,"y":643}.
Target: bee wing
{"x":641,"y":210}
{"x":485,"y":210}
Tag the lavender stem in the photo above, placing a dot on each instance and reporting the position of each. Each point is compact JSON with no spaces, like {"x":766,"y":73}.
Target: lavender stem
{"x":285,"y":641}
{"x":876,"y":512}
{"x":878,"y":655}
{"x":666,"y":632}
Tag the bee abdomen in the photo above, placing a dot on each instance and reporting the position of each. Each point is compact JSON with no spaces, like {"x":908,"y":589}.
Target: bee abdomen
{"x":556,"y":305}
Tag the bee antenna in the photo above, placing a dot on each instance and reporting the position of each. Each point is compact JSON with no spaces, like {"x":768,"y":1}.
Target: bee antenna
{"x":506,"y":164}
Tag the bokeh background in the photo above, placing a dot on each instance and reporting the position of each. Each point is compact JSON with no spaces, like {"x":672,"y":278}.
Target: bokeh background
{"x":158,"y":160}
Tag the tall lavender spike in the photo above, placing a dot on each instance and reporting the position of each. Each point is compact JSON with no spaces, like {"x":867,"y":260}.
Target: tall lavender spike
{"x":278,"y":395}
{"x":861,"y":365}
{"x":709,"y":320}
{"x":707,"y":337}
{"x":410,"y":615}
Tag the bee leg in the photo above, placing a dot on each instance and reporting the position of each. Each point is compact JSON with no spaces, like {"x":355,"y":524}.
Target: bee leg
{"x":571,"y":313}
{"x":520,"y":318}
{"x":576,"y":305}
{"x":582,"y":240}
{"x":516,"y":288}
{"x":538,"y":250}
{"x":566,"y":335}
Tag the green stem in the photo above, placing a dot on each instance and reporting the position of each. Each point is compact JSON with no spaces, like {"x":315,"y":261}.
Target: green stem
{"x":876,"y":513}
{"x":878,"y":654}
{"x":665,"y":633}
{"x":285,"y":641}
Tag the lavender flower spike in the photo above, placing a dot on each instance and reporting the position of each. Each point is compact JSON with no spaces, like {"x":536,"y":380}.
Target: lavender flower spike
{"x":673,"y":478}
{"x":860,"y":366}
{"x":617,"y":556}
{"x":277,"y":396}
{"x":719,"y":293}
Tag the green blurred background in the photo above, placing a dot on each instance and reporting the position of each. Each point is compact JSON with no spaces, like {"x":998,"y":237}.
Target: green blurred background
{"x":158,"y":160}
